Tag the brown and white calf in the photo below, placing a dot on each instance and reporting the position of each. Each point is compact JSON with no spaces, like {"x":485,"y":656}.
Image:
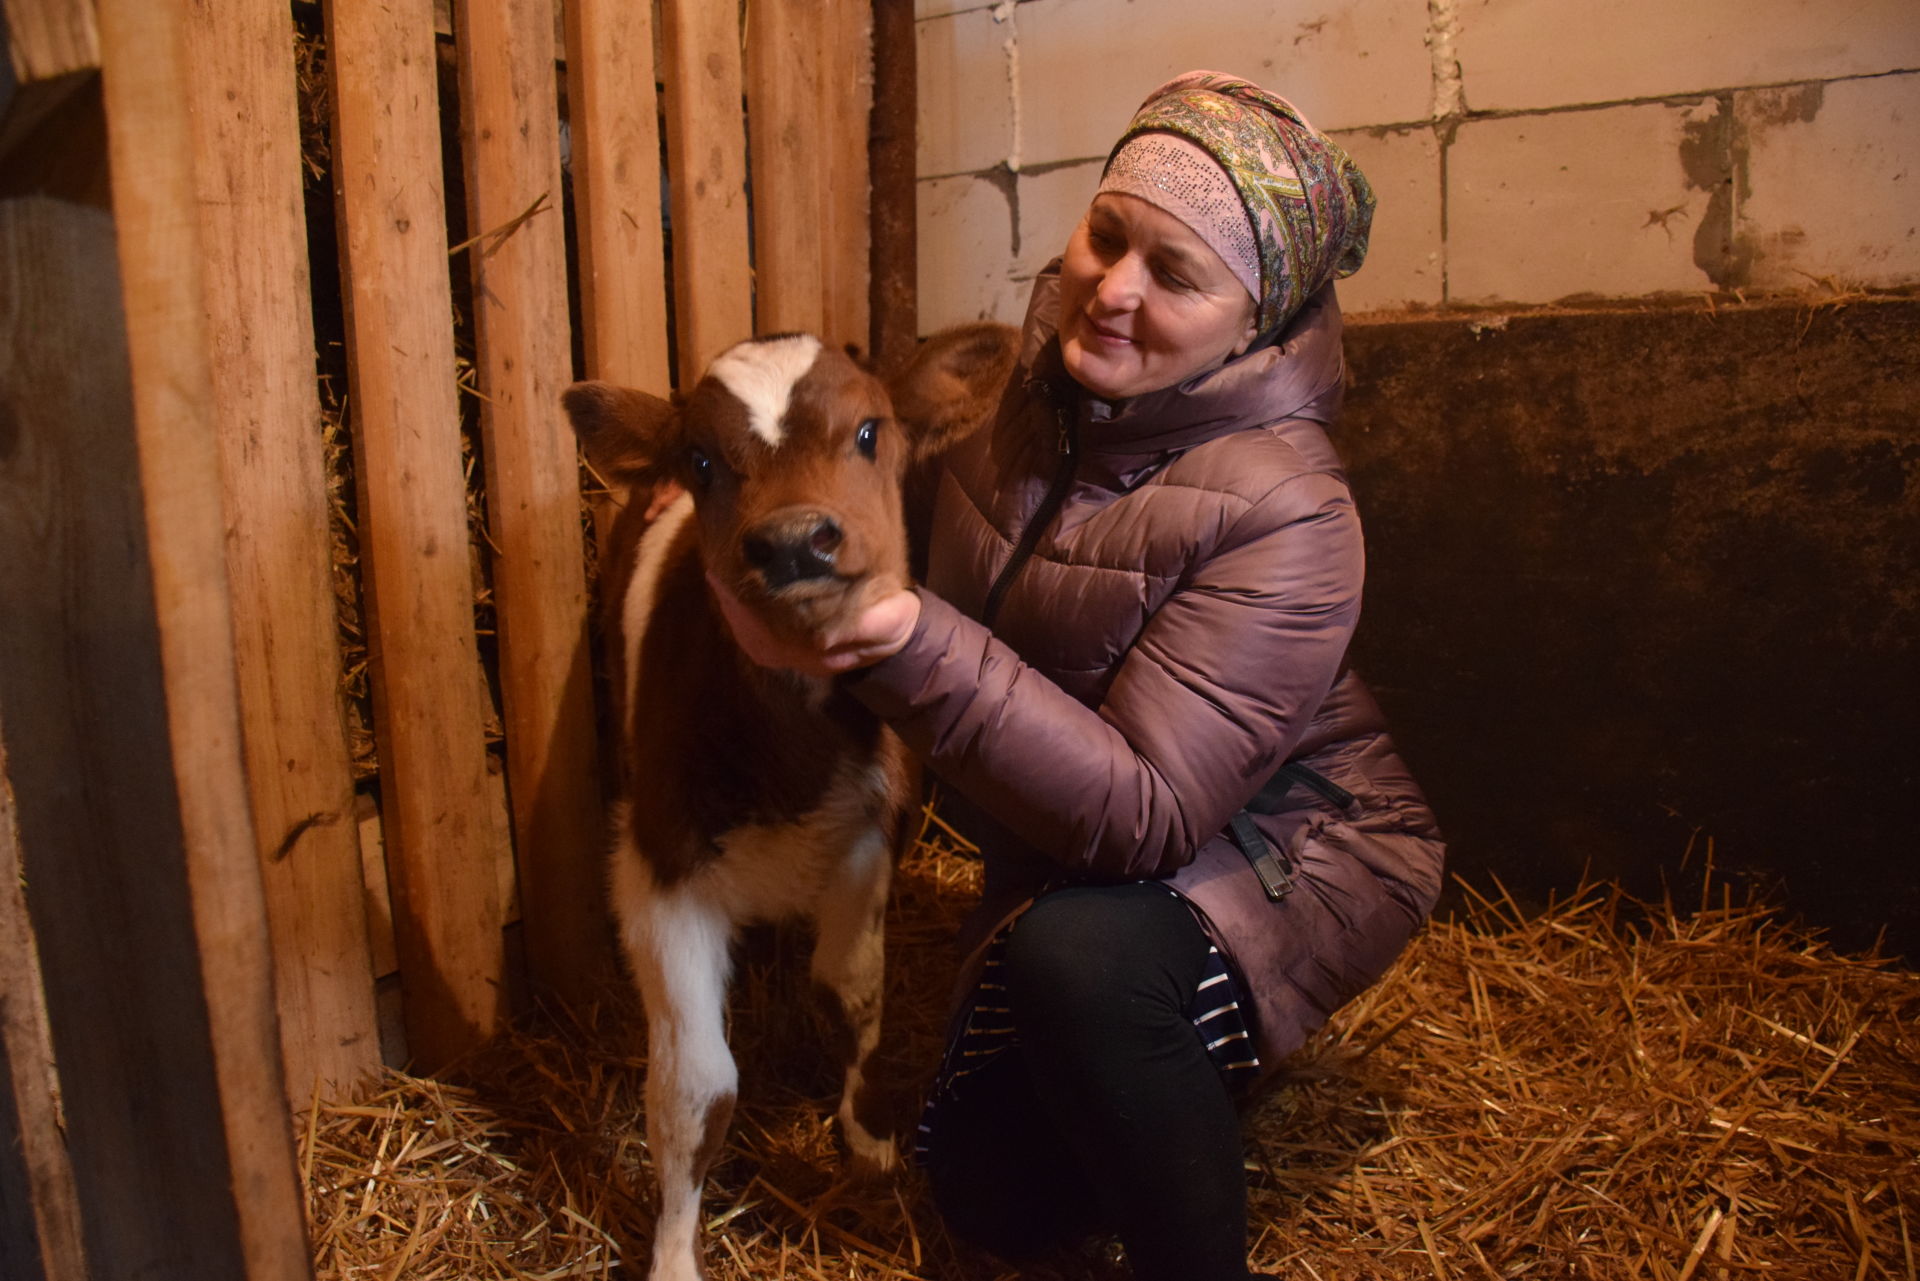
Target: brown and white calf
{"x":751,"y":795}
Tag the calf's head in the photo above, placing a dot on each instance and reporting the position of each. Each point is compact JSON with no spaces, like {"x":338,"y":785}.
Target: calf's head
{"x":794,"y":457}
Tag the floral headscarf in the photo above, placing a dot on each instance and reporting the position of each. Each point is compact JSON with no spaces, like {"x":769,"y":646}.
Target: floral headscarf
{"x":1310,"y":205}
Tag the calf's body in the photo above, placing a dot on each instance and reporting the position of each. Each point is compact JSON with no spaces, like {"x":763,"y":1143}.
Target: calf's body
{"x":748,"y":795}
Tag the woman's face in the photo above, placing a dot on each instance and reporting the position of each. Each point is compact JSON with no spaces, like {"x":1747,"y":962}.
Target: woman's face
{"x":1144,"y":302}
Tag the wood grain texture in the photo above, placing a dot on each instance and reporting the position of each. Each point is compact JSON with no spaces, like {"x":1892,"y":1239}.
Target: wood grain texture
{"x":706,"y":156}
{"x":510,"y":118}
{"x":790,"y":71}
{"x":847,"y":106}
{"x":47,"y":39}
{"x":39,"y":1210}
{"x":613,"y":111}
{"x":428,"y":717}
{"x":147,"y":76}
{"x":260,"y":330}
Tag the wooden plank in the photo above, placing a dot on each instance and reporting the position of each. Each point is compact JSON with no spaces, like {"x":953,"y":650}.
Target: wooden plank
{"x":510,"y":120}
{"x":39,"y":1210}
{"x":50,"y":46}
{"x":147,"y":77}
{"x":428,"y":717}
{"x":613,"y":112}
{"x":892,"y":258}
{"x":790,"y":70}
{"x":707,"y":164}
{"x":846,"y":110}
{"x":244,"y":109}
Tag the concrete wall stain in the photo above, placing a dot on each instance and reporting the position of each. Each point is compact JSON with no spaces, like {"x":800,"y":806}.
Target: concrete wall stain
{"x":1639,"y":572}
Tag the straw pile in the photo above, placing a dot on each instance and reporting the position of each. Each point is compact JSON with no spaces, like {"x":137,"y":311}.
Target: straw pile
{"x":1594,"y":1091}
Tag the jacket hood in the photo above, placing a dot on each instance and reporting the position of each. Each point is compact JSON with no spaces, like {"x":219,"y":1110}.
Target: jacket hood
{"x":1298,"y":373}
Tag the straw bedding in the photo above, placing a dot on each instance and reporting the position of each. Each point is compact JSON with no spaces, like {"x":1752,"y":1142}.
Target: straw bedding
{"x":1597,"y":1090}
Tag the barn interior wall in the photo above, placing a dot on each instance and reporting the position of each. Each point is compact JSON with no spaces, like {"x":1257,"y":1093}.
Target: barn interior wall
{"x":1634,"y":370}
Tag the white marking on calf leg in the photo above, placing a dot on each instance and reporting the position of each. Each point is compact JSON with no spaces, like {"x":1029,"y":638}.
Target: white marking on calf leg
{"x":678,"y":946}
{"x":761,"y":374}
{"x":849,"y":960}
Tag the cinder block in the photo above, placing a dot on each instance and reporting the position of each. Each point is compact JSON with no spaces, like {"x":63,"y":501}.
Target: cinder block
{"x":966,"y":94}
{"x":1518,"y":54}
{"x":966,"y":254}
{"x":1405,"y":263}
{"x":1832,"y":183}
{"x":1085,"y":65}
{"x":1541,"y":207}
{"x":1050,"y":207}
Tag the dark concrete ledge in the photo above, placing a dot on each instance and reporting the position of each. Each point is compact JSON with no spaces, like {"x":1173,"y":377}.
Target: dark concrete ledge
{"x":1638,"y":574}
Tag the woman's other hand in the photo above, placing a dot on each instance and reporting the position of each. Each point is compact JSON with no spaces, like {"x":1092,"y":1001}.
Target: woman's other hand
{"x":877,"y":632}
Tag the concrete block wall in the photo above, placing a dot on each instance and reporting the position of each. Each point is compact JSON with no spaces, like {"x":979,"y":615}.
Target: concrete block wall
{"x":1524,"y":151}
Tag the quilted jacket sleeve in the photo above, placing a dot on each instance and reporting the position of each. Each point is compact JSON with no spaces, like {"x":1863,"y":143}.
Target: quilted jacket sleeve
{"x":1211,"y":697}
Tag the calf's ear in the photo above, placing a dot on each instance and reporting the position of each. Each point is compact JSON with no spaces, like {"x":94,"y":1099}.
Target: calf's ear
{"x":953,"y":384}
{"x":630,"y":437}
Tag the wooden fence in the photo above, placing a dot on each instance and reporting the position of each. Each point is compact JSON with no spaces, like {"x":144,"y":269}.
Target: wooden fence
{"x":178,"y":814}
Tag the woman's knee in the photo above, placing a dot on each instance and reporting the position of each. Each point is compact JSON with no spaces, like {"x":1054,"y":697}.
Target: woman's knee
{"x":1103,"y":953}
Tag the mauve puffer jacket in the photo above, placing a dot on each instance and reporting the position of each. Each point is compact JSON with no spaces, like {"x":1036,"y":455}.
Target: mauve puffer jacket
{"x":1132,"y":617}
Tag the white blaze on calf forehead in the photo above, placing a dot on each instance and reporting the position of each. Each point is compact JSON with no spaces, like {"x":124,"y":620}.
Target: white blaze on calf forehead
{"x":761,"y":375}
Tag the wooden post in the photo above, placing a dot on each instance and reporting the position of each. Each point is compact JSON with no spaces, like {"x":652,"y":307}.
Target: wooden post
{"x":613,"y":111}
{"x":39,"y":1213}
{"x":790,"y":68}
{"x":847,"y":105}
{"x":244,"y":108}
{"x":510,"y":117}
{"x":428,"y":718}
{"x":707,"y":162}
{"x":893,"y":264}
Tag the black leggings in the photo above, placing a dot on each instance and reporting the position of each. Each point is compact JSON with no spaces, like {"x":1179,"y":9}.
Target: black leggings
{"x":1109,"y":1113}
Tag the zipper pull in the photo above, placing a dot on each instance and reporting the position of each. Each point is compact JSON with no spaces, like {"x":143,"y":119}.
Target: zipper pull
{"x":1064,"y":438}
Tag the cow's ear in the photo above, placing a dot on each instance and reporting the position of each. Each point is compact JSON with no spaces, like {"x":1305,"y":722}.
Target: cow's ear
{"x":629,"y":436}
{"x":952,"y":384}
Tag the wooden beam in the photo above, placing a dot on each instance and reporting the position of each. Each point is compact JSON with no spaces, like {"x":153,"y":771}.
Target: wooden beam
{"x":790,"y":68}
{"x":892,"y":257}
{"x":39,"y":1210}
{"x":428,"y":717}
{"x":613,"y":113}
{"x":510,"y":118}
{"x":707,"y":161}
{"x":846,"y":109}
{"x":243,"y":102}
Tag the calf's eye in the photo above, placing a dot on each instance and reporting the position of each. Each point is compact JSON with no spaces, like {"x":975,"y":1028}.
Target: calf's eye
{"x":868,"y":437}
{"x":702,"y":467}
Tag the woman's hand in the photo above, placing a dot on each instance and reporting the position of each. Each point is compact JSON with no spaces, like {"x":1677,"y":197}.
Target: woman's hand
{"x":877,"y":632}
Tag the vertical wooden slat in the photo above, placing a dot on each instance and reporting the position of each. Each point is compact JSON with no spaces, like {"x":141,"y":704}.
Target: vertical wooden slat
{"x":613,"y":111}
{"x":147,"y":75}
{"x":892,"y":261}
{"x":706,"y":159}
{"x":846,"y":106}
{"x":428,"y":718}
{"x":510,"y":118}
{"x":39,"y":1212}
{"x":261,"y":329}
{"x":789,"y":73}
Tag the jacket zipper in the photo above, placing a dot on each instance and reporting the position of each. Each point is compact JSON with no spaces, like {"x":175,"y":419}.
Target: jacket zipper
{"x":1042,"y":517}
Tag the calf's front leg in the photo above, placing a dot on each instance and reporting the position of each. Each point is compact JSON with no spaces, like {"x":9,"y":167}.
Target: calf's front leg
{"x":849,"y":962}
{"x":679,"y":949}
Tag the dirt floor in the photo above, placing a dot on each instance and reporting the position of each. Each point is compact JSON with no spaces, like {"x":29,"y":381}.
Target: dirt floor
{"x":1603,"y":1090}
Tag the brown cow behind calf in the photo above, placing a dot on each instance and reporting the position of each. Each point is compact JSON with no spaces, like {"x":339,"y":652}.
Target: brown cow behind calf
{"x":751,"y":795}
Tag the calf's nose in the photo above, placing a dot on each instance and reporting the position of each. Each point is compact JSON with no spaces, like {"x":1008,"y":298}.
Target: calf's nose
{"x":790,"y":548}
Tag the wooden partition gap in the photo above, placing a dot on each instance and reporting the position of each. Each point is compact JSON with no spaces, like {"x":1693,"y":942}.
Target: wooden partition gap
{"x":245,"y":113}
{"x":847,"y":105}
{"x":790,"y":69}
{"x":428,"y":717}
{"x":892,"y":261}
{"x":613,"y":111}
{"x":707,"y":167}
{"x":510,"y":118}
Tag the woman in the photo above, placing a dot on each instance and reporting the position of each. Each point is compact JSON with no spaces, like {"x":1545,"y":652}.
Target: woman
{"x":1143,"y":577}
